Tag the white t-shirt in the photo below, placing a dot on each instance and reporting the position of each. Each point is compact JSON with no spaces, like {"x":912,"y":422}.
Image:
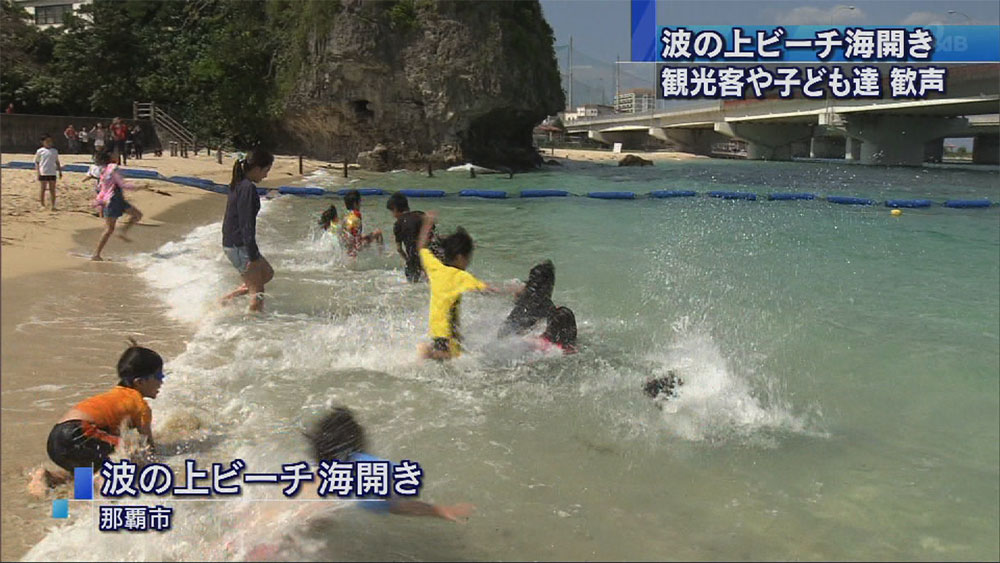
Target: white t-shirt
{"x":48,"y":161}
{"x":98,"y":137}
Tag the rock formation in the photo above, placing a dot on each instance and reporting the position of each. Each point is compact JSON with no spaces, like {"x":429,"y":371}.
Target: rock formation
{"x":403,"y":84}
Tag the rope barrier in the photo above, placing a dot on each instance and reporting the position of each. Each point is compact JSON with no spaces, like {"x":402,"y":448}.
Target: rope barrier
{"x":546,"y":193}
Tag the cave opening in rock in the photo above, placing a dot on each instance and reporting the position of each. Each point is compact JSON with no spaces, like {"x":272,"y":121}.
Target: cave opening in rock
{"x":361,"y":109}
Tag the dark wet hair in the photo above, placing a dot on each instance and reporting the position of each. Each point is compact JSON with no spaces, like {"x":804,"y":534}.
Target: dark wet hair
{"x":137,"y":362}
{"x":102,"y":157}
{"x":397,"y":202}
{"x":561,"y":327}
{"x":665,"y":385}
{"x":336,"y":436}
{"x":352,"y":199}
{"x":457,"y":244}
{"x":258,"y":158}
{"x":328,"y":216}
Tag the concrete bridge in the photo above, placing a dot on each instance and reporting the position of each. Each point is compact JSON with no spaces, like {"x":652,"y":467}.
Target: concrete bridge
{"x":873,"y":131}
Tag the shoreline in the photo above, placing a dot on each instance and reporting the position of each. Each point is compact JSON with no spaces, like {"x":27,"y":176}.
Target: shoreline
{"x":61,"y":347}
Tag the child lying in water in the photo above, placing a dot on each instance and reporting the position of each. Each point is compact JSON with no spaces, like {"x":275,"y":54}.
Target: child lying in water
{"x":560,"y":331}
{"x":663,"y":388}
{"x":338,"y":436}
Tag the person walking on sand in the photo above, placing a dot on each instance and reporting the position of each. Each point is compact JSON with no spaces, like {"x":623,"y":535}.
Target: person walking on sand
{"x":111,"y":201}
{"x":46,"y":166}
{"x":239,"y":227}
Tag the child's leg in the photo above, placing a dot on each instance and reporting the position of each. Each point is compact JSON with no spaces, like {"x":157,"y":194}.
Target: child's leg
{"x":110,"y":228}
{"x":41,"y":196}
{"x":241,"y":290}
{"x":52,"y":192}
{"x":134,"y":216}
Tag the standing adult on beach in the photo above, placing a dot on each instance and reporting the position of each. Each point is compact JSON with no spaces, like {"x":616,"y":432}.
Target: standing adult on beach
{"x":119,"y":134}
{"x":84,"y":137}
{"x":112,"y":202}
{"x":100,"y":135}
{"x":239,"y":227}
{"x":71,"y":140}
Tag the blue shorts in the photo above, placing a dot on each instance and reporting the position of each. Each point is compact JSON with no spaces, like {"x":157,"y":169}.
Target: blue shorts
{"x":116,"y":207}
{"x":238,"y":257}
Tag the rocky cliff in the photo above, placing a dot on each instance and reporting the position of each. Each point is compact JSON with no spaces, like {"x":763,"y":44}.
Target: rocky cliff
{"x":405,"y":83}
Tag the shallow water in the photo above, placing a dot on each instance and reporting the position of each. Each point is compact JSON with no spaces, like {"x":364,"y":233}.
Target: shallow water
{"x":841,"y":370}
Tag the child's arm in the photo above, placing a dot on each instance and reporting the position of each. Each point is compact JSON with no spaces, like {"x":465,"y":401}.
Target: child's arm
{"x":119,"y":181}
{"x":510,"y":288}
{"x":425,"y":229}
{"x":59,"y":166}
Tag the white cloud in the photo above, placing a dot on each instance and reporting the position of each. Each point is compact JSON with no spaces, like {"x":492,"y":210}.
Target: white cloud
{"x":926,"y":18}
{"x":810,"y":15}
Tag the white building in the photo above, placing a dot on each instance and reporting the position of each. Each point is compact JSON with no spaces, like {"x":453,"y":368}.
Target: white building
{"x":48,"y":13}
{"x":587,"y":110}
{"x":635,"y":101}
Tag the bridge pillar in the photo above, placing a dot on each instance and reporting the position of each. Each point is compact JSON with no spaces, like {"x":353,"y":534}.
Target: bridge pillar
{"x":899,"y":139}
{"x":986,"y":149}
{"x":934,"y":150}
{"x":695,"y":141}
{"x":598,"y":136}
{"x":827,"y":147}
{"x":852,"y":148}
{"x":767,"y":141}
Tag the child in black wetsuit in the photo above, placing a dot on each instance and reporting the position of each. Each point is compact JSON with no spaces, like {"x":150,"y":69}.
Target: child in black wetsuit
{"x":534,"y":302}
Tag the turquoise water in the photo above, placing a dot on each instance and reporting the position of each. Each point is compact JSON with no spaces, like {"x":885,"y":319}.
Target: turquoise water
{"x":841,"y":368}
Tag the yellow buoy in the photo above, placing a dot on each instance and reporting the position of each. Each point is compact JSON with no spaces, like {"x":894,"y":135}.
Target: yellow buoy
{"x":896,"y":212}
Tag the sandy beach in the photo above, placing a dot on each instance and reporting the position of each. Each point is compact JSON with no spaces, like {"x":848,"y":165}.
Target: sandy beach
{"x":59,"y":351}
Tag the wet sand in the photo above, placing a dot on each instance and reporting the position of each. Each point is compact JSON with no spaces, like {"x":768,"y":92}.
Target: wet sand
{"x":65,"y":319}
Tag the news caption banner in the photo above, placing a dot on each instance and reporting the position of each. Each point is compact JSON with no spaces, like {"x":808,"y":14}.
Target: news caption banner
{"x":913,"y":52}
{"x":369,"y":481}
{"x":728,"y":62}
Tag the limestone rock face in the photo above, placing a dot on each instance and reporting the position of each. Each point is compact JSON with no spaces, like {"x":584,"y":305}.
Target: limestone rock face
{"x":401,"y":84}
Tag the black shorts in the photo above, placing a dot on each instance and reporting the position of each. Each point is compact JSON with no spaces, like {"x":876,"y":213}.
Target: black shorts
{"x":414,"y":271}
{"x":69,"y":448}
{"x":46,"y":178}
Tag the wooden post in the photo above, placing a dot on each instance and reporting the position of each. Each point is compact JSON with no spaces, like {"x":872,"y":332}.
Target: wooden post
{"x":218,"y":155}
{"x":300,"y":165}
{"x":345,"y":168}
{"x":430,"y":170}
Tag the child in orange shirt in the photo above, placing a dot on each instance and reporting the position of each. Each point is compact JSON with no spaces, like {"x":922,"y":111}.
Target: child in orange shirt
{"x":87,"y":434}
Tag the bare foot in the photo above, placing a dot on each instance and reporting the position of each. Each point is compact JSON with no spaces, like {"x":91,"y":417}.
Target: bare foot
{"x":41,"y":480}
{"x":124,"y":238}
{"x":97,"y":258}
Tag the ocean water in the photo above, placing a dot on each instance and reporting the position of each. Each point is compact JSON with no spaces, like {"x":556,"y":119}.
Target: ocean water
{"x":840,"y":398}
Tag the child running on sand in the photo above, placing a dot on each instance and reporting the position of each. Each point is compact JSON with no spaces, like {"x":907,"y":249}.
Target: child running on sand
{"x":87,"y":434}
{"x":111,"y":201}
{"x":351,"y":236}
{"x":46,"y":166}
{"x":448,"y":281}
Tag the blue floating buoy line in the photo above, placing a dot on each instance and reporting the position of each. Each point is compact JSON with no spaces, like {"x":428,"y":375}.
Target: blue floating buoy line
{"x":310,"y":191}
